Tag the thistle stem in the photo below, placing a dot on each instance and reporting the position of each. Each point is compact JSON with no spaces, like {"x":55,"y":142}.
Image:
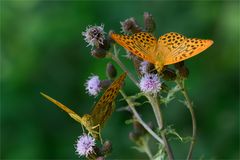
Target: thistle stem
{"x":150,"y":131}
{"x":190,"y":107}
{"x":117,"y":60}
{"x":156,"y":109}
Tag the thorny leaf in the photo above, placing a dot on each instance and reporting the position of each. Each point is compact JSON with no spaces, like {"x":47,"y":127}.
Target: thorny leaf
{"x":170,"y":131}
{"x":138,"y":148}
{"x":170,"y":96}
{"x":129,"y":121}
{"x":160,"y":155}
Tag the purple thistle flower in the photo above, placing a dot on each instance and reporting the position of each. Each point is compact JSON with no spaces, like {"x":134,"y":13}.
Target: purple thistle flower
{"x":93,"y":85}
{"x":85,"y":144}
{"x":144,"y":67}
{"x":150,"y":83}
{"x":94,"y":35}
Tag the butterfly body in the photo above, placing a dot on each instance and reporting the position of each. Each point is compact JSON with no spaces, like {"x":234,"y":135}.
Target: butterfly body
{"x":101,"y":111}
{"x":168,"y":49}
{"x":88,"y":123}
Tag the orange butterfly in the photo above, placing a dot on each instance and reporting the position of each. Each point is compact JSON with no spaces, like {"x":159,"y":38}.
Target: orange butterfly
{"x":168,"y":49}
{"x":101,"y":111}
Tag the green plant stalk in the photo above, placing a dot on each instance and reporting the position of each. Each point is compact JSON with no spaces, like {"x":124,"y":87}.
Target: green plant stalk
{"x":117,"y":60}
{"x":156,"y":109}
{"x":189,"y":105}
{"x":150,"y":131}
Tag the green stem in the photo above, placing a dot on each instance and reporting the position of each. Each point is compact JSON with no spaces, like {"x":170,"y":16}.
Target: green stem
{"x":150,"y":131}
{"x":190,"y":107}
{"x":156,"y":109}
{"x":116,"y":59}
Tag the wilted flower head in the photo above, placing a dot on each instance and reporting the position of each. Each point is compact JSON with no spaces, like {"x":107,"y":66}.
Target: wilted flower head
{"x":150,"y":83}
{"x":85,"y":144}
{"x":130,"y":26}
{"x":93,"y":85}
{"x":149,"y":23}
{"x":94,"y":35}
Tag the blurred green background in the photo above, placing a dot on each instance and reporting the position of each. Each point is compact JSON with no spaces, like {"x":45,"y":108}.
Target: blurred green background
{"x":42,"y":49}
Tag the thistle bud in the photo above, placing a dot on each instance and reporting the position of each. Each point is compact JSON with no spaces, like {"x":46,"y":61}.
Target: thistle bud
{"x":105,"y":83}
{"x":138,"y":128}
{"x":133,"y":136}
{"x":130,"y":26}
{"x":169,"y":74}
{"x":97,"y":151}
{"x":111,"y":71}
{"x":179,"y":65}
{"x":98,"y":53}
{"x":183,"y":72}
{"x":106,"y":148}
{"x":149,"y":22}
{"x":137,"y":63}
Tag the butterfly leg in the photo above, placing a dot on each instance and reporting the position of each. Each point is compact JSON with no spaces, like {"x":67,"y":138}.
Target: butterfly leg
{"x":82,"y":128}
{"x":98,"y":132}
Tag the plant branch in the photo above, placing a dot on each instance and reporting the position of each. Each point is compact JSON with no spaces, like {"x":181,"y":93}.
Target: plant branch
{"x":116,"y":59}
{"x":189,"y":105}
{"x":156,"y":109}
{"x":150,"y":131}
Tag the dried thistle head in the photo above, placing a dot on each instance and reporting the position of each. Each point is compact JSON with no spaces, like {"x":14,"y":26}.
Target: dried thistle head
{"x":130,"y":26}
{"x":149,"y":22}
{"x":94,"y":35}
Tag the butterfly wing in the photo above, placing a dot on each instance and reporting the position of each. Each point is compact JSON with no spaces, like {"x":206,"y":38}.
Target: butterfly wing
{"x":141,"y":44}
{"x":174,"y":47}
{"x":104,"y":107}
{"x":74,"y":115}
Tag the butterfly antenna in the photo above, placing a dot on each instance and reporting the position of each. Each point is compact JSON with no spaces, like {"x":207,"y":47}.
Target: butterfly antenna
{"x":63,"y":107}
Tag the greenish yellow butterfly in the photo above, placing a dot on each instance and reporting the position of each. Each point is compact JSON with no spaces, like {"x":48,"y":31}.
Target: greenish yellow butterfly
{"x":168,"y":49}
{"x":101,"y":111}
